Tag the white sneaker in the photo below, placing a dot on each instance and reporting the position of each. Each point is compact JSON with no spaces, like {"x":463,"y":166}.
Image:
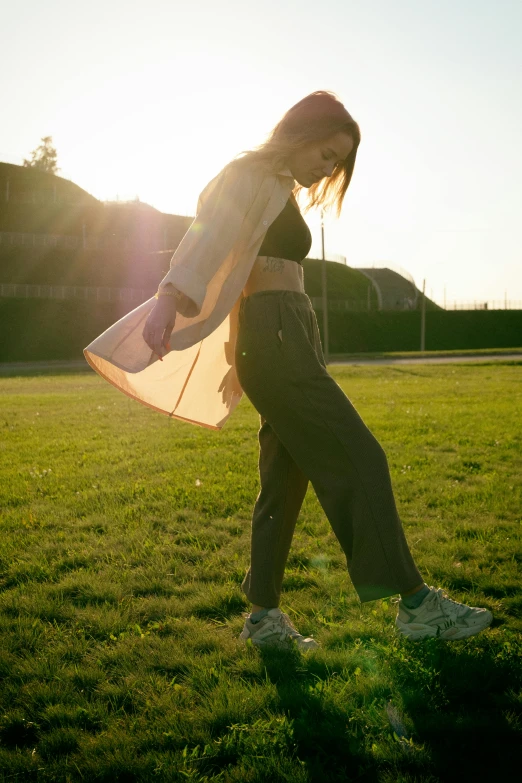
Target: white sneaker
{"x":440,"y":616}
{"x":275,"y":630}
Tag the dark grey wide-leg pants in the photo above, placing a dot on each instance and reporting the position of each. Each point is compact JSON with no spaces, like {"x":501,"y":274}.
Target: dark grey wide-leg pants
{"x":310,"y":431}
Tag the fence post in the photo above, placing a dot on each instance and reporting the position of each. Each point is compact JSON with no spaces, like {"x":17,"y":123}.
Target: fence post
{"x":423,"y":317}
{"x":325,"y":299}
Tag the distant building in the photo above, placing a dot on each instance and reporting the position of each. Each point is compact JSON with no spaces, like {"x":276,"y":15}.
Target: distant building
{"x":395,"y":291}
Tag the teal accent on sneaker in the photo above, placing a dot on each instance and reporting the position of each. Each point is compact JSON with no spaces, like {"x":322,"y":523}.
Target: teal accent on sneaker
{"x":257,"y":616}
{"x":415,"y":600}
{"x":441,"y":616}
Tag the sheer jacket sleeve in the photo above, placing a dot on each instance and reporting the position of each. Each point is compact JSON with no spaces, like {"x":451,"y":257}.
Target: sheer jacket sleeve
{"x":221,"y":211}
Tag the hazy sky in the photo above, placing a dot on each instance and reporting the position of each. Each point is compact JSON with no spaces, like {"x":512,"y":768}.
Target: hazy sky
{"x":152,"y":99}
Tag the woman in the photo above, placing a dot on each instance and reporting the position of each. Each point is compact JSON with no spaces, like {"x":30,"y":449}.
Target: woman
{"x":309,"y":429}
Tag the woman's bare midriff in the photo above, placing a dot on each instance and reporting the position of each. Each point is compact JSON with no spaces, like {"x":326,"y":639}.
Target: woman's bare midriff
{"x":269,"y":273}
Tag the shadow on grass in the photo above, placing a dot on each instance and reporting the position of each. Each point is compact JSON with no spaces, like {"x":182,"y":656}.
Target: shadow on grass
{"x":461,"y":698}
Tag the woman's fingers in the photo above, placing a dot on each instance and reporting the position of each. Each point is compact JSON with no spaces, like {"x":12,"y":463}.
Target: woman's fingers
{"x":148,"y":332}
{"x":167,"y":333}
{"x":156,"y":337}
{"x":158,"y":327}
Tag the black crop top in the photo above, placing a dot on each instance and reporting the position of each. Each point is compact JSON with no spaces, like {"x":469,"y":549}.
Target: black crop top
{"x":288,"y":236}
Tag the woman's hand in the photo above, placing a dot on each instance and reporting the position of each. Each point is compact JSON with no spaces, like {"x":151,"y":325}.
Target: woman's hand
{"x":230,"y":387}
{"x":159,"y":325}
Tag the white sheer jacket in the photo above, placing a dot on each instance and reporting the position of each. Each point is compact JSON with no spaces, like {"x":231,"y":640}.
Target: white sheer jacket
{"x":197,"y":381}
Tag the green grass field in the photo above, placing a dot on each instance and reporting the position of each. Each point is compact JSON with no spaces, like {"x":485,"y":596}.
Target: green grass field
{"x":124,"y":540}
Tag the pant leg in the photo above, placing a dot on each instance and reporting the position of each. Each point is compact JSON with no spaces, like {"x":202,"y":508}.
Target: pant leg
{"x":283,"y":488}
{"x":288,"y":384}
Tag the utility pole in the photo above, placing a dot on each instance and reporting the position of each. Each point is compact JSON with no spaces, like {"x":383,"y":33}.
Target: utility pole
{"x":423,"y":317}
{"x":325,"y":304}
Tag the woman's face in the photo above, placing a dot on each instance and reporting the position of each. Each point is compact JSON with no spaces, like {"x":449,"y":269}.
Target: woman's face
{"x":318,"y":159}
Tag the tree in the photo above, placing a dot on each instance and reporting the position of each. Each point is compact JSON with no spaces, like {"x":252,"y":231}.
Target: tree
{"x":44,"y":157}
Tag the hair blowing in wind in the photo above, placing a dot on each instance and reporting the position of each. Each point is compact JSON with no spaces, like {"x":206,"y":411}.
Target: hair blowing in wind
{"x":314,"y":118}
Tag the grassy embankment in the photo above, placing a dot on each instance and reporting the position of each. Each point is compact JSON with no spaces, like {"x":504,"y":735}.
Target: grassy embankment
{"x":124,"y":540}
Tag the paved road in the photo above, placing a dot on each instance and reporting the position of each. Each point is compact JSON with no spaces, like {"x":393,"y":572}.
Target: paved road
{"x":8,"y":368}
{"x":439,"y":359}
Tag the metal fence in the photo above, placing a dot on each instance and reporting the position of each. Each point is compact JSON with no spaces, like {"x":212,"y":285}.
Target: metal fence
{"x":49,"y":240}
{"x":504,"y":304}
{"x":109,"y":294}
{"x":11,"y":238}
{"x":354,"y":305}
{"x":39,"y":240}
{"x":92,"y":293}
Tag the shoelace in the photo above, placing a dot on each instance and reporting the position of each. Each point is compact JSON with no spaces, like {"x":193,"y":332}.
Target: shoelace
{"x":287,"y":629}
{"x":441,"y":595}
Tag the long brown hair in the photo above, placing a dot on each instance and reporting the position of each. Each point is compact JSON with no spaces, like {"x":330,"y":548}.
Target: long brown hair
{"x":314,"y":118}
